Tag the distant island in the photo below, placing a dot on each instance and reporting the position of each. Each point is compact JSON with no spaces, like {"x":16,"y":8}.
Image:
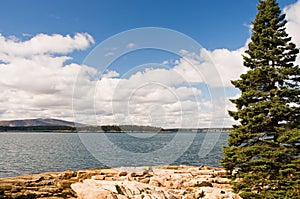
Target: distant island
{"x":57,"y":125}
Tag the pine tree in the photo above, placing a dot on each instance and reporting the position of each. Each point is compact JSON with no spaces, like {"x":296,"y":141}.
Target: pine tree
{"x":263,"y":150}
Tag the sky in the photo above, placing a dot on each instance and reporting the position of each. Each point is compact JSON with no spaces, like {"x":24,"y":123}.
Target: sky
{"x":53,"y":55}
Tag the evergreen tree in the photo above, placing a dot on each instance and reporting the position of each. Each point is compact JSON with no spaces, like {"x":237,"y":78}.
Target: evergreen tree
{"x":263,"y":150}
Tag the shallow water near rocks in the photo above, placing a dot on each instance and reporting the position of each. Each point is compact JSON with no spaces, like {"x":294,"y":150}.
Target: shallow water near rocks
{"x":24,"y":152}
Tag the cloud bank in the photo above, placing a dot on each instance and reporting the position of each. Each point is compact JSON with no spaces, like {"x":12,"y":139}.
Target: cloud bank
{"x":37,"y":77}
{"x":34,"y":79}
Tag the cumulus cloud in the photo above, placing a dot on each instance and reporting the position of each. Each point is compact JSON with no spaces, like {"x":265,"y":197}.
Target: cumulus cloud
{"x":34,"y":79}
{"x":37,"y":77}
{"x":43,"y":44}
{"x":155,"y":96}
{"x":229,"y":64}
{"x":215,"y":68}
{"x":293,"y":25}
{"x":110,"y":74}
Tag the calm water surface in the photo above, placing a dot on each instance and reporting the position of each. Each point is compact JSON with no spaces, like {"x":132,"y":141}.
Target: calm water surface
{"x":22,"y":153}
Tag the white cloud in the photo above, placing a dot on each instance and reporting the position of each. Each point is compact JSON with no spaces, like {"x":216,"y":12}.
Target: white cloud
{"x":293,"y":25}
{"x":43,"y":44}
{"x":158,"y":97}
{"x":111,"y":74}
{"x":215,"y":68}
{"x":131,"y":45}
{"x":166,"y":62}
{"x":26,"y":35}
{"x":183,"y":52}
{"x":36,"y":81}
{"x":229,"y":65}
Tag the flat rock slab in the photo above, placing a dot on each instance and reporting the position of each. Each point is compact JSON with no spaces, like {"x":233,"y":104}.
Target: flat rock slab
{"x":159,"y":182}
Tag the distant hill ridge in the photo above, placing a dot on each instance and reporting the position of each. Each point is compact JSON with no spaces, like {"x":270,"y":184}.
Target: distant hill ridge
{"x":49,"y":124}
{"x":37,"y":122}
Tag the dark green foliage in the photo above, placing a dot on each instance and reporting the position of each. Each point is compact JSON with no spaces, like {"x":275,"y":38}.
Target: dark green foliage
{"x":113,"y":128}
{"x":265,"y":146}
{"x":129,"y":128}
{"x":37,"y":128}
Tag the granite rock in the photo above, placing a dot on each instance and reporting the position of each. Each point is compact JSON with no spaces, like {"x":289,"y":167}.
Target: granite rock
{"x":159,"y":182}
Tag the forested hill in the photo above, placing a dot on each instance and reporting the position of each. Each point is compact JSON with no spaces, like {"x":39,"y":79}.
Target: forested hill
{"x":56,"y":125}
{"x":37,"y":122}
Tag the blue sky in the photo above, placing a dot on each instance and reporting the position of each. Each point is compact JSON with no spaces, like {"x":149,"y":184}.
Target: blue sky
{"x":43,"y":45}
{"x":214,"y":24}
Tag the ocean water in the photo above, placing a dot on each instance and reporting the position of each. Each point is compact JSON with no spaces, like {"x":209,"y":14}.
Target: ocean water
{"x":23,"y":153}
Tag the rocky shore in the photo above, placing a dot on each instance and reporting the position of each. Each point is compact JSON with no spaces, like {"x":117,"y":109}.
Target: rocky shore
{"x":159,"y":182}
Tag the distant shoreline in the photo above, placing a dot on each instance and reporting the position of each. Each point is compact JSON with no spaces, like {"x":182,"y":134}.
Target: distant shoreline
{"x":107,"y":129}
{"x":62,"y":126}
